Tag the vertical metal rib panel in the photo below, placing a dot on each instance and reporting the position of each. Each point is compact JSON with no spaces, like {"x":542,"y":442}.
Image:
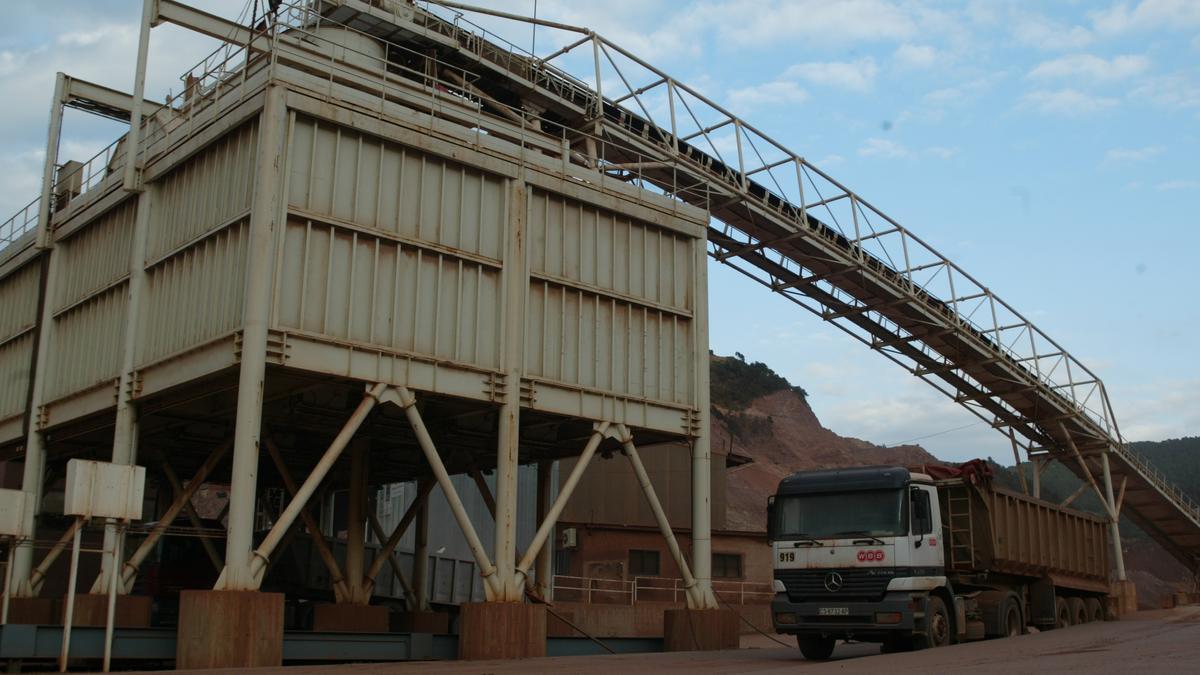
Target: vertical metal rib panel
{"x":610,"y":305}
{"x":18,"y":297}
{"x":209,"y":189}
{"x":96,"y":256}
{"x":16,"y":353}
{"x":86,"y":349}
{"x":343,"y":175}
{"x":195,"y":295}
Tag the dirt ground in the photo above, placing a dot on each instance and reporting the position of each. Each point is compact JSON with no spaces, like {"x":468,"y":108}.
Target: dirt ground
{"x":1162,"y":641}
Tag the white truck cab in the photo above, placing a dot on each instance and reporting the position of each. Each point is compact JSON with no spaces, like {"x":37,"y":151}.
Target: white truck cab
{"x":858,"y":555}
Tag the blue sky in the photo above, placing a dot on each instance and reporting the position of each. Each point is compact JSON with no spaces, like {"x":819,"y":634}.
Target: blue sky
{"x":1050,"y":149}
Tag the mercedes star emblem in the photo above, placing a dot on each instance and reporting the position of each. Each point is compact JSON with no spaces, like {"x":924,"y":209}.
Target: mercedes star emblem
{"x":833,"y":582}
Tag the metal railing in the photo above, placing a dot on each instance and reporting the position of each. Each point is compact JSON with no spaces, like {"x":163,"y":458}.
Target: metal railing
{"x":596,"y":590}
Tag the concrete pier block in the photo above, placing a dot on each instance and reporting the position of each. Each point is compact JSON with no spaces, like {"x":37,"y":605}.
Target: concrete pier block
{"x":686,"y":630}
{"x":229,"y":629}
{"x":501,"y":630}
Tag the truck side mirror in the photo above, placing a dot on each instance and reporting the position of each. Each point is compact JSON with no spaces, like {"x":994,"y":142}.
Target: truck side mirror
{"x":771,"y":518}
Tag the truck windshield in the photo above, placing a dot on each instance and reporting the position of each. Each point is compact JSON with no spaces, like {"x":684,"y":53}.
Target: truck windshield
{"x":876,"y":513}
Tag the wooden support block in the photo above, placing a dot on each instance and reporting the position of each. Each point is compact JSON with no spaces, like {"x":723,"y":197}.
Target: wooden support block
{"x":229,"y":629}
{"x":91,"y":609}
{"x":686,"y":630}
{"x":348,"y":617}
{"x":501,"y":630}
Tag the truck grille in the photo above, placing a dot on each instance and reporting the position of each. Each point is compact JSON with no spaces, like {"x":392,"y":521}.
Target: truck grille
{"x":857,"y":584}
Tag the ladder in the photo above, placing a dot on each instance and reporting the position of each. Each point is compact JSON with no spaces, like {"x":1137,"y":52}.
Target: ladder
{"x":959,"y":523}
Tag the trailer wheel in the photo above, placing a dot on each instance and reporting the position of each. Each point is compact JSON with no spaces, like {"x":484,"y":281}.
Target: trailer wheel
{"x":815,"y":647}
{"x":1013,"y":624}
{"x":937,"y":625}
{"x":1062,"y":613}
{"x":1079,"y":613}
{"x":1095,"y":610}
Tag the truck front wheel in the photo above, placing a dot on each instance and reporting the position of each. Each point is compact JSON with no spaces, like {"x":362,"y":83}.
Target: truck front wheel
{"x":815,"y":647}
{"x":937,"y":624}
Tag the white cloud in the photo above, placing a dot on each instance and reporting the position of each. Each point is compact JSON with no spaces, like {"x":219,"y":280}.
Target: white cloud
{"x":1067,"y":102}
{"x":1091,"y":67}
{"x":882,"y":147}
{"x":1175,"y":91}
{"x":852,"y":75}
{"x":1177,"y":185}
{"x":757,"y":23}
{"x":941,"y":152}
{"x":915,"y":56}
{"x":774,"y":93}
{"x":1132,"y":155}
{"x":1147,"y":15}
{"x":1040,"y":32}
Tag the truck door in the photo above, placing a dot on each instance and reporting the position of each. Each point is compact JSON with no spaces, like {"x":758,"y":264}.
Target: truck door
{"x":926,"y":527}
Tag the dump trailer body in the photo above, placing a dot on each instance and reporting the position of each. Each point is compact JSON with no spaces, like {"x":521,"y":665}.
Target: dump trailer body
{"x":990,"y":530}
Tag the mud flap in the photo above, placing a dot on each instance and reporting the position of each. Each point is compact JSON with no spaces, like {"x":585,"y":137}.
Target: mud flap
{"x":1042,"y":610}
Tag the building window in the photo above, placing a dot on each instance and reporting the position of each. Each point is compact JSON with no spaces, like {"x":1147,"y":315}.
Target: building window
{"x":643,"y":563}
{"x":727,"y":566}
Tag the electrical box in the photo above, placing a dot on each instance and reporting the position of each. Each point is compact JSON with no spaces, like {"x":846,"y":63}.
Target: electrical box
{"x":14,"y":504}
{"x":104,"y":490}
{"x":570,"y":538}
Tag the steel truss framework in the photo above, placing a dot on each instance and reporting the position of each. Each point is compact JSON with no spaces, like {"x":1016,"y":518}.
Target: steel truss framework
{"x":775,"y":218}
{"x":788,"y":225}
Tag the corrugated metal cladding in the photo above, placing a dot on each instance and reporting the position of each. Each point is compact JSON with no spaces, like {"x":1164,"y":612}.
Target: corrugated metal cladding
{"x":610,"y":302}
{"x":18,"y":297}
{"x":90,"y":300}
{"x":391,"y":247}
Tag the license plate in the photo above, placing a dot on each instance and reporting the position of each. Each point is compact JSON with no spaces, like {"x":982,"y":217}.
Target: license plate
{"x":833,"y":611}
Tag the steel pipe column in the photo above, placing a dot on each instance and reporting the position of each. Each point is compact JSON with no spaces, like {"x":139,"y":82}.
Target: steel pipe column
{"x":701,"y":451}
{"x":515,"y":282}
{"x":544,"y":569}
{"x":265,"y":217}
{"x":420,"y":580}
{"x":35,"y":451}
{"x":1114,"y":520}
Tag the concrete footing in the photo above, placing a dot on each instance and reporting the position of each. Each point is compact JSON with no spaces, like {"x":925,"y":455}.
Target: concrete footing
{"x":229,"y":629}
{"x":501,"y":630}
{"x":437,"y":623}
{"x":37,"y":611}
{"x":1125,"y":594}
{"x":686,"y":630}
{"x":350,"y":618}
{"x":131,"y":611}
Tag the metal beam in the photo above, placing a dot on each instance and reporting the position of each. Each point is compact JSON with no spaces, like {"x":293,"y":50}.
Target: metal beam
{"x":424,"y":487}
{"x":336,"y":577}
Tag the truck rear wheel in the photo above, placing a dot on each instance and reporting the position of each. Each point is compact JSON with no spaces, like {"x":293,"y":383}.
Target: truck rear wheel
{"x":937,"y":625}
{"x":1095,"y":610}
{"x":1013,"y":623}
{"x":1062,"y":613}
{"x":815,"y":647}
{"x":1078,"y":611}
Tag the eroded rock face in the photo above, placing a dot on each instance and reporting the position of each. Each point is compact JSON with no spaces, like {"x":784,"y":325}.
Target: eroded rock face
{"x":781,"y":434}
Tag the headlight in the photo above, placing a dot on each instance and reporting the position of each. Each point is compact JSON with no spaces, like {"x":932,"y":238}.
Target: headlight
{"x":778,"y":586}
{"x":785,"y":619}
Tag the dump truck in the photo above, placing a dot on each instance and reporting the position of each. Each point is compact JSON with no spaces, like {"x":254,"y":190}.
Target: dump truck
{"x":927,"y":557}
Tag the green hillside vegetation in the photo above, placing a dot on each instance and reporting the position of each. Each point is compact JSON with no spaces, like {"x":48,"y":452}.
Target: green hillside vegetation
{"x":736,"y":383}
{"x":1178,"y":459}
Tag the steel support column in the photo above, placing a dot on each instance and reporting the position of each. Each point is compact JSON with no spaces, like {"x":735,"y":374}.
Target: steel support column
{"x":264,"y":214}
{"x":420,"y":580}
{"x":35,"y":449}
{"x":694,"y":595}
{"x":516,"y":287}
{"x":701,"y":450}
{"x":544,"y":569}
{"x":355,"y":522}
{"x":125,"y":429}
{"x":1114,"y":519}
